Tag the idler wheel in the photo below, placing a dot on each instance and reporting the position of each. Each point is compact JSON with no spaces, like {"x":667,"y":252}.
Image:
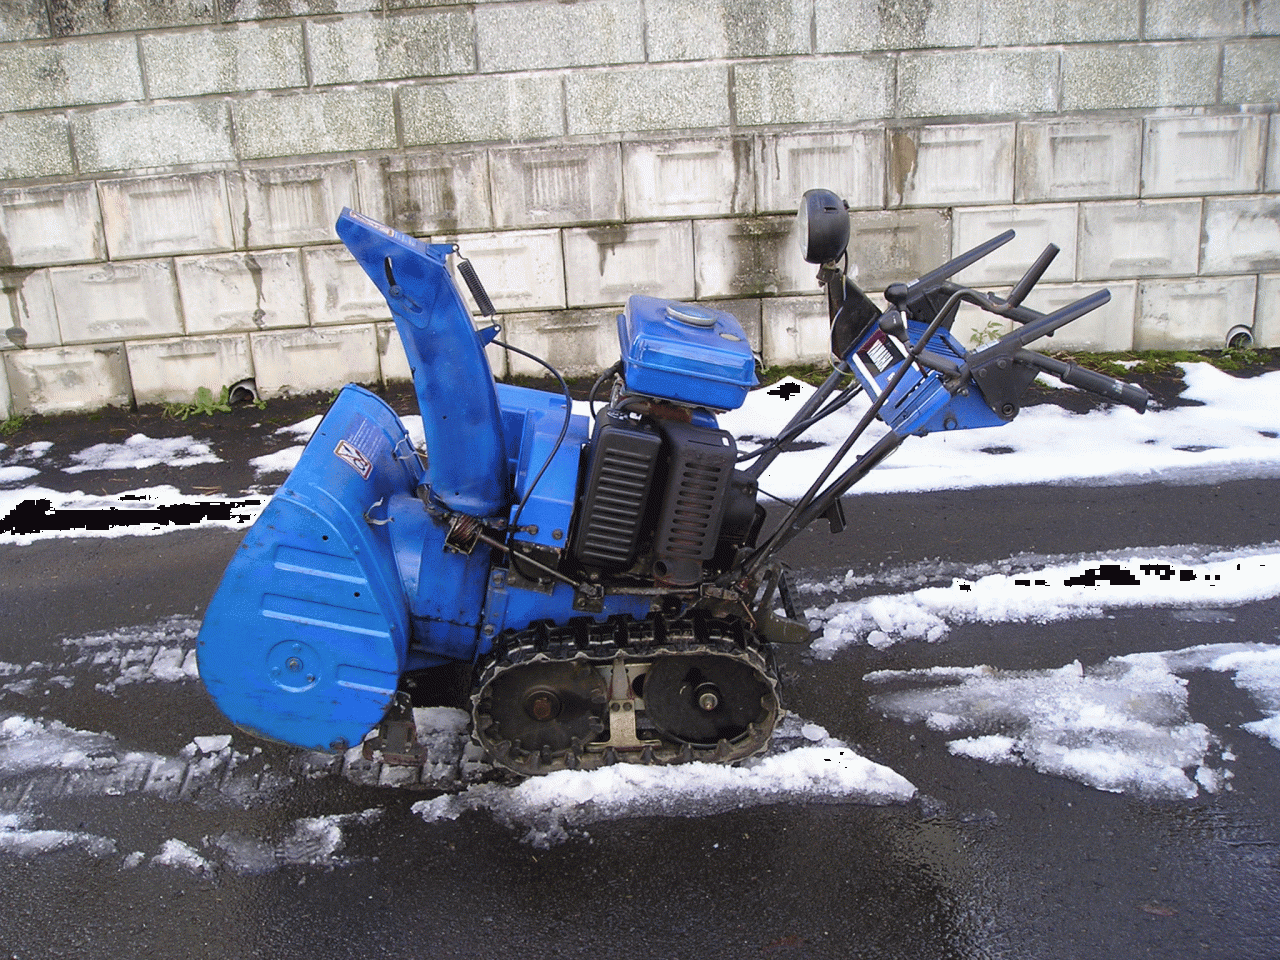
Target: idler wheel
{"x":702,"y":700}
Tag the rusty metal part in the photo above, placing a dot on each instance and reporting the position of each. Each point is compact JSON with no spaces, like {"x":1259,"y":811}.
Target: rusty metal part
{"x":626,"y":691}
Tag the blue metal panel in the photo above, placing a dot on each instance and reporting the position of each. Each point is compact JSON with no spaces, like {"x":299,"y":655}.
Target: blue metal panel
{"x":451,"y":375}
{"x":921,"y":403}
{"x":307,"y":634}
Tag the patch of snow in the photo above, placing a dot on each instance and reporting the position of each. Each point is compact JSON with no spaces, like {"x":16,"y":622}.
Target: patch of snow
{"x":1081,"y":588}
{"x":304,"y":428}
{"x":552,"y":807}
{"x":140,"y":451}
{"x":282,"y":461}
{"x":17,"y":474}
{"x":16,"y":839}
{"x":1121,"y":726}
{"x":182,"y":856}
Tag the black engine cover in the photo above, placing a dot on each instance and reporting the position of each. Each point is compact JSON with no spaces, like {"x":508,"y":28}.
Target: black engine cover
{"x":624,"y":456}
{"x":699,"y":467}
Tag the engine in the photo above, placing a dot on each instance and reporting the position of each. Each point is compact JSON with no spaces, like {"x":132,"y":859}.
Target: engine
{"x":661,"y":500}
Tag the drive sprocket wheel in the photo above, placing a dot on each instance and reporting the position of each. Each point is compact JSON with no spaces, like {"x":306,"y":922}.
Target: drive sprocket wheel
{"x":546,"y":707}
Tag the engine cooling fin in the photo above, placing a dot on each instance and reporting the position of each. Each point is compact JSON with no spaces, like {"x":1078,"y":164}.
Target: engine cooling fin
{"x":652,"y":691}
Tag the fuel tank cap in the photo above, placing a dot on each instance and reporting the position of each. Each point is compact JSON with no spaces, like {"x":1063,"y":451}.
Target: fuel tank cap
{"x":693,"y":315}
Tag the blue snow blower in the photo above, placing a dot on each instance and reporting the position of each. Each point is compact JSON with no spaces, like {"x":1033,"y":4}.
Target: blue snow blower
{"x":608,"y":580}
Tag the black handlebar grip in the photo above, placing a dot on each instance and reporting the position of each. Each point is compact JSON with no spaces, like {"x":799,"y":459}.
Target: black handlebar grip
{"x":1099,"y":383}
{"x":1077,"y":376}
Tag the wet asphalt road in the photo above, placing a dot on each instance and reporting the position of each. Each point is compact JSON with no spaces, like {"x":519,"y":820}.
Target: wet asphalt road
{"x":990,"y":862}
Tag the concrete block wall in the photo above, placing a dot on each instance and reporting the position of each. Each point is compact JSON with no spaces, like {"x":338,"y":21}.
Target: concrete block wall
{"x":172,"y":172}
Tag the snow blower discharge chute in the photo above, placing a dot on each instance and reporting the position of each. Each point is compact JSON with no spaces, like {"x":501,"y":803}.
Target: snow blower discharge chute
{"x":611,"y":582}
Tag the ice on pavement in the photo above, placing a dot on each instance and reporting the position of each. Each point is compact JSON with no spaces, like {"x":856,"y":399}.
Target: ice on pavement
{"x":804,"y":766}
{"x":1121,"y":725}
{"x":139,"y":452}
{"x":1078,"y":588}
{"x":17,"y":838}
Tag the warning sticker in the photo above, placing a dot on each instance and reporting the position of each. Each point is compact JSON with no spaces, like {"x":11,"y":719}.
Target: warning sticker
{"x":359,"y":462}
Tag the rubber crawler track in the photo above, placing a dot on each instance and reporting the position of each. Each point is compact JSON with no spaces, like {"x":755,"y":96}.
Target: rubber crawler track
{"x":638,"y":641}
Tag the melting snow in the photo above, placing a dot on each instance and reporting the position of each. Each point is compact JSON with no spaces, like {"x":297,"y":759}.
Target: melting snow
{"x":552,"y":807}
{"x":140,"y":451}
{"x":1121,"y":725}
{"x":1080,"y":588}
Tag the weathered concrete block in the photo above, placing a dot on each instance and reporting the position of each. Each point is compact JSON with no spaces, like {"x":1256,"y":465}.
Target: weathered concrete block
{"x":292,"y":362}
{"x":851,"y":163}
{"x":1036,"y":226}
{"x":867,"y":25}
{"x":1031,"y":22}
{"x":607,"y":264}
{"x":153,"y":216}
{"x":155,"y":135}
{"x":698,"y":30}
{"x":1139,"y":75}
{"x":334,"y":121}
{"x":93,"y":16}
{"x":170,"y":371}
{"x":392,"y":360}
{"x":794,"y":330}
{"x":55,"y":224}
{"x":813,"y":91}
{"x":520,"y":269}
{"x":68,"y":379}
{"x":1273,"y":156}
{"x":1078,"y":160}
{"x":242,"y":291}
{"x":116,"y":301}
{"x":487,"y":108}
{"x":1266,"y":321}
{"x":420,"y":44}
{"x":575,"y":342}
{"x":1183,"y":19}
{"x":1191,"y":314}
{"x":1109,"y":328}
{"x":629,"y":99}
{"x":6,"y":404}
{"x":570,"y":183}
{"x":748,"y":256}
{"x":432,"y":191}
{"x":1193,"y":156}
{"x":28,"y":307}
{"x":687,"y":178}
{"x":36,"y":145}
{"x":959,"y":164}
{"x":1249,"y":72}
{"x":994,"y":82}
{"x":338,"y":289}
{"x":224,"y":61}
{"x":92,"y":70}
{"x":233,"y":10}
{"x":1241,"y":235}
{"x":279,"y":206}
{"x":1157,"y":238}
{"x":539,"y":36}
{"x":23,"y":20}
{"x":888,"y":246}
